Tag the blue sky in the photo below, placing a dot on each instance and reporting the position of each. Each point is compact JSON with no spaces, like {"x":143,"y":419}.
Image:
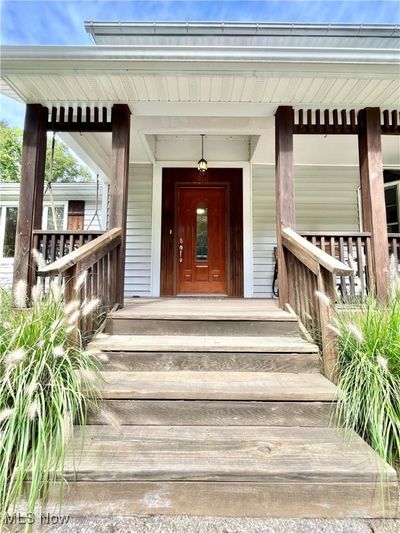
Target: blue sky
{"x":42,"y":22}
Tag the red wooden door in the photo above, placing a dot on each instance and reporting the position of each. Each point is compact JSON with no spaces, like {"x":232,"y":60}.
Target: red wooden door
{"x":202,"y":240}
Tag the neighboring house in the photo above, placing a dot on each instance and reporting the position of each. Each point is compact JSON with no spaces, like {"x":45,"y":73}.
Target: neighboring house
{"x":74,"y":209}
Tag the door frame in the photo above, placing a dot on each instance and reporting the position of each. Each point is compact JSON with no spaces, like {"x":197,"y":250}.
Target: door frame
{"x":172,"y":179}
{"x":246,"y":168}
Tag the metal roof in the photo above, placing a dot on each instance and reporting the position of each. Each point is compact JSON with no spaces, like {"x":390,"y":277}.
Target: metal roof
{"x":244,"y":34}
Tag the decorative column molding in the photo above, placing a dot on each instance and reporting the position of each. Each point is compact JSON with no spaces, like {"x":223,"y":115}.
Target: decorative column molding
{"x":373,"y":195}
{"x":285,"y":204}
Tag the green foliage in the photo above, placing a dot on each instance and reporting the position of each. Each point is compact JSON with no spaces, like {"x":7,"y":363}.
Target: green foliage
{"x":10,"y":153}
{"x":66,"y":168}
{"x":47,"y":383}
{"x":369,"y":374}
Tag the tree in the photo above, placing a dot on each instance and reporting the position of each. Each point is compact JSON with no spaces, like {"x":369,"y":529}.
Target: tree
{"x":10,"y":153}
{"x":66,"y":167}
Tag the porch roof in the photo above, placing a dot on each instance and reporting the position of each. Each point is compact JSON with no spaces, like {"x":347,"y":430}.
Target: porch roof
{"x":213,"y":78}
{"x":370,"y":36}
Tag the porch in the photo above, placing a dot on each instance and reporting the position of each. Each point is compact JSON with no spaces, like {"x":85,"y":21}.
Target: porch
{"x":223,"y":405}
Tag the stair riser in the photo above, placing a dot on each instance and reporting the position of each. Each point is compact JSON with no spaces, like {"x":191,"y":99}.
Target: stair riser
{"x":236,"y":328}
{"x":219,"y":361}
{"x":274,"y":500}
{"x":213,"y":413}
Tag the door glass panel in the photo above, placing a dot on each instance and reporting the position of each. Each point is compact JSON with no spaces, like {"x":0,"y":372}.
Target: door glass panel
{"x":10,"y":231}
{"x":202,"y":233}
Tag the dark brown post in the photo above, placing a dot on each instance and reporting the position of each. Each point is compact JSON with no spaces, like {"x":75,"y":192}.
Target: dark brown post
{"x":285,"y":211}
{"x":118,"y":191}
{"x":31,"y":190}
{"x":373,"y":195}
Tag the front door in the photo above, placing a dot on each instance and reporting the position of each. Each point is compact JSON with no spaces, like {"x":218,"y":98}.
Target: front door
{"x":202,"y":240}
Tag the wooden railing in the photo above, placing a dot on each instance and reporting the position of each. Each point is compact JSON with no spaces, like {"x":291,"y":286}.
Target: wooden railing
{"x":311,"y":291}
{"x":394,"y":249}
{"x":53,"y":244}
{"x":87,"y":274}
{"x":352,"y":249}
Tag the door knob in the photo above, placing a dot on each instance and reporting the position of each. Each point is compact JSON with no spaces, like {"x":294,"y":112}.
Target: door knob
{"x":180,"y":250}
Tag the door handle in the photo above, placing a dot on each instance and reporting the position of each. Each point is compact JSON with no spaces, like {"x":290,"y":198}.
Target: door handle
{"x":180,"y":248}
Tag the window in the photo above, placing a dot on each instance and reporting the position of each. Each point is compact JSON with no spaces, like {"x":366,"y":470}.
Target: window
{"x":8,"y":228}
{"x":392,"y":195}
{"x":60,"y":215}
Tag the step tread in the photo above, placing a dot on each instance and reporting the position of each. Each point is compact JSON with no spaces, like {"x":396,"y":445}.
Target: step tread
{"x":188,"y":453}
{"x":203,"y":309}
{"x":203,"y":343}
{"x":217,"y":385}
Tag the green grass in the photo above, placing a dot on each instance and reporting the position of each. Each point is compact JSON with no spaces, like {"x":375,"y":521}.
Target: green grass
{"x":369,"y":374}
{"x":47,"y":382}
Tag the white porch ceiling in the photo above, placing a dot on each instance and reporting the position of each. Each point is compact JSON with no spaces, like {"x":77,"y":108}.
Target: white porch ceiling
{"x":302,"y":89}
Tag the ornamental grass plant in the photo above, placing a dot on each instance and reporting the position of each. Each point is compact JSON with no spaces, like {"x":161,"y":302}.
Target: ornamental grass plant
{"x":369,"y":372}
{"x":47,"y":383}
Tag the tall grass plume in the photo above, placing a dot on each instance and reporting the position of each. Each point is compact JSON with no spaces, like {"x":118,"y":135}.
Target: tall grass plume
{"x":41,"y":395}
{"x":369,"y":373}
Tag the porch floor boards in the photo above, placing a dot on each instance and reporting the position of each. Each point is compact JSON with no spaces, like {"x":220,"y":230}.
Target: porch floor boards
{"x":203,"y":308}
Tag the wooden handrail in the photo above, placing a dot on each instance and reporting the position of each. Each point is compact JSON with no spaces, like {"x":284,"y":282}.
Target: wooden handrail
{"x":66,"y":232}
{"x":336,"y":233}
{"x":311,"y":255}
{"x":311,"y":291}
{"x":104,"y":243}
{"x":89,"y":276}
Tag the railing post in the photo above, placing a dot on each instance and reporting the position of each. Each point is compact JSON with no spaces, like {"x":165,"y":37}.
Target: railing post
{"x":373,"y":195}
{"x":118,"y":191}
{"x":285,"y":213}
{"x":31,"y":190}
{"x":285,"y":210}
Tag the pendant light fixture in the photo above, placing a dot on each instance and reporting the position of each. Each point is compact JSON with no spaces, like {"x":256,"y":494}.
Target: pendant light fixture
{"x":202,"y":163}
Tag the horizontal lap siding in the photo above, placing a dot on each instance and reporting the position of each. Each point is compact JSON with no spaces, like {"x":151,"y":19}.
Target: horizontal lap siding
{"x":138,"y":239}
{"x":326,"y":200}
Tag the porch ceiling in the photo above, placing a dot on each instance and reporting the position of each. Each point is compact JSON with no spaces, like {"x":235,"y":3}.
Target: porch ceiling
{"x":298,"y":88}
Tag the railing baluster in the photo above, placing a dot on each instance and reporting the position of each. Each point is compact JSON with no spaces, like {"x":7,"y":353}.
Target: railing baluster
{"x":360,"y":264}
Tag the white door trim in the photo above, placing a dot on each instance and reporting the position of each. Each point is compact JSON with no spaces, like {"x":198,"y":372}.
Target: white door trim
{"x":247,"y":220}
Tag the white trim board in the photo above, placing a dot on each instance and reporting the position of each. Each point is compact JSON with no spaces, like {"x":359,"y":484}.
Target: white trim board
{"x":247,"y":220}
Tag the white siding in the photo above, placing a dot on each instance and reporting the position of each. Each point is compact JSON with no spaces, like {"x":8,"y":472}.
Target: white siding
{"x":138,"y":245}
{"x":326,"y":200}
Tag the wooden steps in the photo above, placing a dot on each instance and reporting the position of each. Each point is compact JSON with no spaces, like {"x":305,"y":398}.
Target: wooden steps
{"x":212,"y":362}
{"x":214,"y":413}
{"x":147,"y":469}
{"x":188,"y":453}
{"x":217,"y":386}
{"x":200,"y":343}
{"x":218,"y":407}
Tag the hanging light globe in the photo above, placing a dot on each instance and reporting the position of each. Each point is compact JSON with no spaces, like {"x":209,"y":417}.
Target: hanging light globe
{"x":202,"y":163}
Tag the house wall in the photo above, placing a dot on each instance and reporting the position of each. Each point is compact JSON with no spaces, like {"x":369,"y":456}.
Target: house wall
{"x":62,"y":193}
{"x":138,"y":238}
{"x":326,"y":200}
